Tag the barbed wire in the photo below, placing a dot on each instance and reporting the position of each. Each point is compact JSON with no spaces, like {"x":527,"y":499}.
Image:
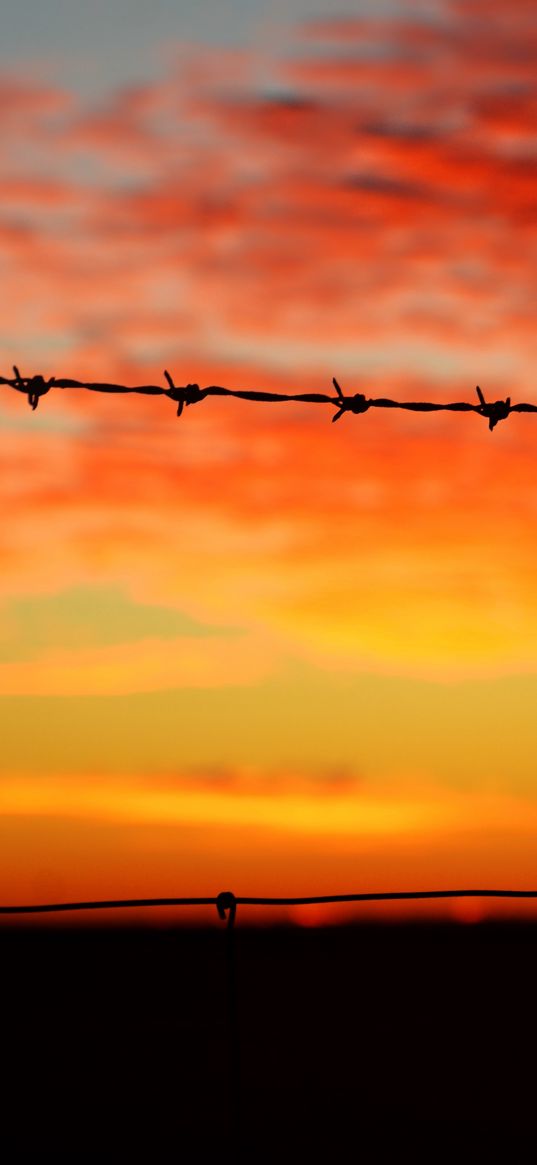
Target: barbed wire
{"x":35,"y":387}
{"x":226,"y":902}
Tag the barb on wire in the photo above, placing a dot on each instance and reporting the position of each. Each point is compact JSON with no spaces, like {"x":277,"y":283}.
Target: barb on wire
{"x":351,"y":404}
{"x":497,"y":410}
{"x":34,"y":387}
{"x":184,"y":396}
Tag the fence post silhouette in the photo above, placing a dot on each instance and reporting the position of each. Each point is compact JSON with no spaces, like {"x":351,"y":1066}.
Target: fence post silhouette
{"x":226,"y":905}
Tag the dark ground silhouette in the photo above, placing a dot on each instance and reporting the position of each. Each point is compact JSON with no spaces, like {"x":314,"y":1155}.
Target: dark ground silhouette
{"x":357,"y":1043}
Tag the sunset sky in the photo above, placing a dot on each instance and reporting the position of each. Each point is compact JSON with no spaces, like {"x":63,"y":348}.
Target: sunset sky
{"x":247,"y":648}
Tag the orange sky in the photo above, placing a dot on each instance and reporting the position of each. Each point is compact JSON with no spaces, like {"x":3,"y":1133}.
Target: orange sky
{"x":247,"y":648}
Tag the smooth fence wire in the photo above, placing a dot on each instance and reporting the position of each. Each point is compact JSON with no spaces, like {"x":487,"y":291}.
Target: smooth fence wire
{"x":34,"y":387}
{"x":226,"y":902}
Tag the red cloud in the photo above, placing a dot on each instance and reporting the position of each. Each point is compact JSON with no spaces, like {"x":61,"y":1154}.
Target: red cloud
{"x":377,"y":190}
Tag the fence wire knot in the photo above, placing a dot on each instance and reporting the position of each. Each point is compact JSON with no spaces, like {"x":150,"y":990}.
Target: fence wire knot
{"x":33,"y":386}
{"x":497,"y":410}
{"x":188,"y":395}
{"x":349,"y":404}
{"x":226,"y":901}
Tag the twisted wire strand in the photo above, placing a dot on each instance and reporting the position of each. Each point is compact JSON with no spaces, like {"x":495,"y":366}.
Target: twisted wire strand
{"x":34,"y":387}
